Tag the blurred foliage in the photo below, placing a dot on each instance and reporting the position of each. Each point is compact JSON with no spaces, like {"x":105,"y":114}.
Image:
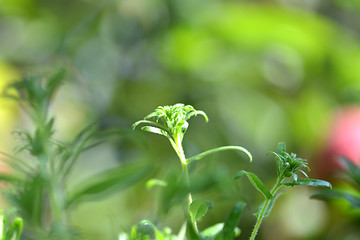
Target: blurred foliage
{"x":264,"y":71}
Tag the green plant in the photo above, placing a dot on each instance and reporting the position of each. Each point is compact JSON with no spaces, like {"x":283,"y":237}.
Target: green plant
{"x":344,"y":199}
{"x":38,"y":186}
{"x":288,"y":165}
{"x":172,"y":122}
{"x":11,"y":226}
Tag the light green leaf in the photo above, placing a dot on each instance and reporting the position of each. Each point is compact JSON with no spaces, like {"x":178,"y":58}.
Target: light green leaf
{"x":198,"y":209}
{"x":307,"y":182}
{"x":148,"y":122}
{"x":281,"y":147}
{"x":190,"y":232}
{"x":213,"y":230}
{"x":156,"y":131}
{"x":155,"y":182}
{"x":203,"y":154}
{"x":256,"y":182}
{"x":10,"y":178}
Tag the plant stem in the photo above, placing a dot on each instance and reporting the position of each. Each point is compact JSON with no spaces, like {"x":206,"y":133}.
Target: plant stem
{"x":180,"y":152}
{"x":263,"y":210}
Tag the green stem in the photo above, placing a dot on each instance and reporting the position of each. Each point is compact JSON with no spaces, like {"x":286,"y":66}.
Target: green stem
{"x":180,"y":152}
{"x":263,"y":210}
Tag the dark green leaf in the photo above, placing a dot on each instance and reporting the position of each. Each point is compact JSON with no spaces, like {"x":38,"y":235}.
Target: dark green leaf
{"x":231,"y":222}
{"x":307,"y":182}
{"x":353,"y":170}
{"x":108,"y":181}
{"x":334,"y":195}
{"x":256,"y":182}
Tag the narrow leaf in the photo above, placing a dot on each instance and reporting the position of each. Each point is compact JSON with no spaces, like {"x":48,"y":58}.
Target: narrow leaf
{"x":155,"y":182}
{"x":256,"y":182}
{"x":269,"y":207}
{"x":156,"y":131}
{"x":108,"y":181}
{"x":281,"y":147}
{"x":307,"y":182}
{"x":353,"y":170}
{"x":10,"y":178}
{"x":190,"y":232}
{"x":182,"y":233}
{"x":213,"y":230}
{"x":148,"y":122}
{"x":334,"y":195}
{"x":203,"y":154}
{"x":231,"y":222}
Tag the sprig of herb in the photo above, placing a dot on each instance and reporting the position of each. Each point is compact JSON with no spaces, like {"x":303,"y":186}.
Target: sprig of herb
{"x":172,"y":122}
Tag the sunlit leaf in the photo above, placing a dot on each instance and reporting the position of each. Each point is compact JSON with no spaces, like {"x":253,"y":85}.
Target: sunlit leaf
{"x":307,"y":182}
{"x":155,"y":182}
{"x":213,"y":230}
{"x":256,"y":182}
{"x":203,"y":154}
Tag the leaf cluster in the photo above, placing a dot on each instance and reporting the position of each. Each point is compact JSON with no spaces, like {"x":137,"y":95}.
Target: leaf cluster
{"x":170,"y":121}
{"x":288,"y":164}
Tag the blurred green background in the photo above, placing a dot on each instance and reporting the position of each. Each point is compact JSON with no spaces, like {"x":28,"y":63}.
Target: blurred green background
{"x":264,"y":71}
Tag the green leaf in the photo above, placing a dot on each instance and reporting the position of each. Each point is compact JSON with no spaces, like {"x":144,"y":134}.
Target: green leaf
{"x":123,"y":236}
{"x":156,"y":131}
{"x":353,"y":170}
{"x":333,"y":195}
{"x":155,"y":182}
{"x":213,"y":230}
{"x":147,"y":122}
{"x":190,"y":232}
{"x":146,"y":230}
{"x":231,"y":222}
{"x":107,"y":182}
{"x":198,"y":209}
{"x":256,"y":182}
{"x":307,"y":182}
{"x":182,"y":233}
{"x":269,"y":207}
{"x":15,"y":229}
{"x":203,"y":154}
{"x":10,"y":178}
{"x":281,"y":147}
